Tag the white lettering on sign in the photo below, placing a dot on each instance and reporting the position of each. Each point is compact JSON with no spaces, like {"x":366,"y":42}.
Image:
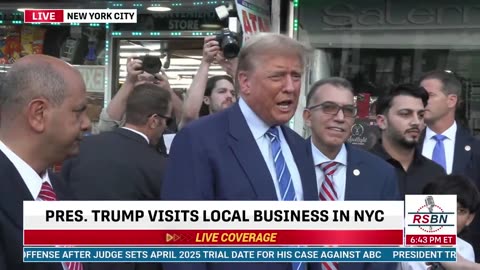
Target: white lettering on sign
{"x":350,"y":15}
{"x":94,"y":77}
{"x":254,"y":17}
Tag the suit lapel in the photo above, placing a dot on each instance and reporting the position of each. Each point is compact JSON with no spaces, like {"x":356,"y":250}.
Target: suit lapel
{"x":13,"y":192}
{"x":354,"y":168}
{"x":310,"y":190}
{"x":462,"y":151}
{"x":245,"y":149}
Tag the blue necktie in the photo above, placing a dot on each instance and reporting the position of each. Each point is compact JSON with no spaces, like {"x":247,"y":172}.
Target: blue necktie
{"x":287,"y":190}
{"x":439,"y":151}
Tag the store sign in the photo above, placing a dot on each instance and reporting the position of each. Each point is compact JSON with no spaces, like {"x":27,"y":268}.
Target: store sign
{"x":188,"y":20}
{"x":254,"y":17}
{"x":94,"y":77}
{"x":402,"y":14}
{"x":365,"y":133}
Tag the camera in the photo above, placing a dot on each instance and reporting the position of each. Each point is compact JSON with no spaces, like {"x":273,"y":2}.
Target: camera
{"x":228,"y":42}
{"x":151,"y":64}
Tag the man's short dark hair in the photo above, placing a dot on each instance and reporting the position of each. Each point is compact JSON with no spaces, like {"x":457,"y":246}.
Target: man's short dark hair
{"x":451,"y":84}
{"x":467,"y":193}
{"x":25,"y":82}
{"x":146,"y":99}
{"x":384,"y":102}
{"x":335,"y":81}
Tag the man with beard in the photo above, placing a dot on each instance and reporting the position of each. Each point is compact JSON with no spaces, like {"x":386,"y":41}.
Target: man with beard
{"x":400,"y":117}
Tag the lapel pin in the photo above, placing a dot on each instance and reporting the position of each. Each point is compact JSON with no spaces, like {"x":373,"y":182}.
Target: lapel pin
{"x":356,"y":172}
{"x":467,"y":148}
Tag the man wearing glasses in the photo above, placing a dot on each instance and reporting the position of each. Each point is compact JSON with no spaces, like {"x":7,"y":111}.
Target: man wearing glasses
{"x":343,"y":171}
{"x":330,"y":114}
{"x":400,"y":117}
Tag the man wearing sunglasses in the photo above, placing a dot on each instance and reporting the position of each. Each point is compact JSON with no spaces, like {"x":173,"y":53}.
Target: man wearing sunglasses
{"x":344,"y":172}
{"x":400,"y":117}
{"x":123,"y":164}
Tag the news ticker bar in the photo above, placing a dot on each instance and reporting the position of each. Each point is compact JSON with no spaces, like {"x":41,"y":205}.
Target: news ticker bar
{"x":237,"y":254}
{"x":214,"y":237}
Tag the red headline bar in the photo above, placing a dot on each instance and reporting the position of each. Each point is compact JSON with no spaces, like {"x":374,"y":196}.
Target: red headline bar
{"x":429,"y":240}
{"x":214,"y":237}
{"x":43,"y":16}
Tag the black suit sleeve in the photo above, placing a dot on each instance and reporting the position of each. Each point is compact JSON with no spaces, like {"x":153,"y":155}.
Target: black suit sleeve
{"x":105,"y":180}
{"x":3,"y":259}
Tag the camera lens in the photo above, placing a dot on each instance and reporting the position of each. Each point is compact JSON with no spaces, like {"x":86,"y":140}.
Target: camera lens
{"x":230,"y":47}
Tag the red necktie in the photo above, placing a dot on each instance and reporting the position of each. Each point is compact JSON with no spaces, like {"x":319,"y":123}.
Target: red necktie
{"x":47,"y":194}
{"x":328,"y":193}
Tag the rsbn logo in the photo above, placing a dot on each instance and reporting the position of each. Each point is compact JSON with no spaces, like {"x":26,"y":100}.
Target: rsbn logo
{"x":430,"y":217}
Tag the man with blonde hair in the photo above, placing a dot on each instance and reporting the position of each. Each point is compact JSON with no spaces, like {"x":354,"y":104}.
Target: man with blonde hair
{"x":230,"y":154}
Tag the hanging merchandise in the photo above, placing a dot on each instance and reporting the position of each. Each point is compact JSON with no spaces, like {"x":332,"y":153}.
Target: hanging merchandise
{"x":32,"y":40}
{"x":13,"y":46}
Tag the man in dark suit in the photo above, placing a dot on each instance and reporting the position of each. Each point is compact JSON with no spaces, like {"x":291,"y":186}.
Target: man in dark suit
{"x":43,"y":116}
{"x":229,"y":155}
{"x":450,"y":145}
{"x":122,"y":164}
{"x":459,"y":150}
{"x":343,"y":172}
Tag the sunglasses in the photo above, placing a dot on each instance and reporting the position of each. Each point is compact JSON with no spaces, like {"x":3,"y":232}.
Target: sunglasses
{"x":168,"y":120}
{"x":333,"y":109}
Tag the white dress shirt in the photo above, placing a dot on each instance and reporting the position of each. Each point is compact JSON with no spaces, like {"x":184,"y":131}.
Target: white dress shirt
{"x":30,"y":177}
{"x":449,"y":145}
{"x":339,"y":178}
{"x":138,"y":132}
{"x":463,"y":248}
{"x":258,"y":128}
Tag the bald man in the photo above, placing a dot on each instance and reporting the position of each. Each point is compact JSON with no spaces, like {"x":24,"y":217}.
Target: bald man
{"x":42,"y":120}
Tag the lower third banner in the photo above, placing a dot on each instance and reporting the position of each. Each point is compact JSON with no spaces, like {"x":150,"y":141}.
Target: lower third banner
{"x":237,"y":254}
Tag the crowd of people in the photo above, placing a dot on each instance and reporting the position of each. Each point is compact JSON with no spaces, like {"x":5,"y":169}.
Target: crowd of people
{"x":232,"y":142}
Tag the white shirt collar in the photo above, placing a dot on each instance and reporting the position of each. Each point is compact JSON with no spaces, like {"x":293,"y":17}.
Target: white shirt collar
{"x":138,"y":132}
{"x":319,"y":157}
{"x":257,"y":126}
{"x":32,"y":180}
{"x":450,"y":133}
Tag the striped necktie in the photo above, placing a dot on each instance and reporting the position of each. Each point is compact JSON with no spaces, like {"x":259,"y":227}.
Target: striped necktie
{"x":328,"y":193}
{"x":287,"y":190}
{"x":48,"y":194}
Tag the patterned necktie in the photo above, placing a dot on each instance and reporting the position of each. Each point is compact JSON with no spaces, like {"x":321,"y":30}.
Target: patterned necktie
{"x":328,"y":193}
{"x":48,"y":194}
{"x":287,"y":190}
{"x":438,"y":154}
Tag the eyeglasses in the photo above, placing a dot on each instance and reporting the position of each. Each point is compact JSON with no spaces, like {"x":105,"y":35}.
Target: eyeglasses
{"x":168,"y":119}
{"x":333,"y":109}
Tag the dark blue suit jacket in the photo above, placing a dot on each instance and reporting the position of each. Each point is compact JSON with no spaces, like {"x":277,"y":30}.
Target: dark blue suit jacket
{"x":375,"y":181}
{"x":12,"y":194}
{"x":466,"y":156}
{"x":217,"y":158}
{"x":115,"y":165}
